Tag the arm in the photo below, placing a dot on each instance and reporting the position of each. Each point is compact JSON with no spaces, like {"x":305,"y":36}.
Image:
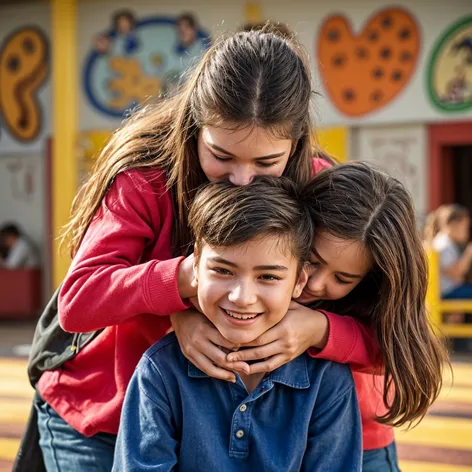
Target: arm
{"x":325,"y":335}
{"x":456,"y":270}
{"x":335,"y":432}
{"x":350,"y":342}
{"x":107,"y":283}
{"x":147,"y":439}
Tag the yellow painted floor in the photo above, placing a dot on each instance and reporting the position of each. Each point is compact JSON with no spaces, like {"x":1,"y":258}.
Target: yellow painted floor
{"x":446,"y":432}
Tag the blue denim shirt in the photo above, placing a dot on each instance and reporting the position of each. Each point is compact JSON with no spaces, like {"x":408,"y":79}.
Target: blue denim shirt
{"x":303,"y":416}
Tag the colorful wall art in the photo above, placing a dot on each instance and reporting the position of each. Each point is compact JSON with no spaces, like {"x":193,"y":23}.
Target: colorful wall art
{"x":24,"y":67}
{"x":450,"y":68}
{"x":140,"y":58}
{"x":364,"y":72}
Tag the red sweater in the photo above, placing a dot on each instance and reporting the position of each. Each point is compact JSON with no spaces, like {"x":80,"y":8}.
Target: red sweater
{"x":124,"y":280}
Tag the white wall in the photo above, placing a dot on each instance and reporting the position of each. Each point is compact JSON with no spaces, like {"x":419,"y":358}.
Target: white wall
{"x":23,"y":197}
{"x":400,"y":151}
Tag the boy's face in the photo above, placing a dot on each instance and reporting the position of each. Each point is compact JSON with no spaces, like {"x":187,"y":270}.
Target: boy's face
{"x":245,"y":290}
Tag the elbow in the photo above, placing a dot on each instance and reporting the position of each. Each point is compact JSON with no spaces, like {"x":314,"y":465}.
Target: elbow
{"x":71,"y":313}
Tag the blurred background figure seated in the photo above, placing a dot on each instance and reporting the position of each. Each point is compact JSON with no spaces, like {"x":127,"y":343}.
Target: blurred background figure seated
{"x":16,"y":250}
{"x":20,"y":275}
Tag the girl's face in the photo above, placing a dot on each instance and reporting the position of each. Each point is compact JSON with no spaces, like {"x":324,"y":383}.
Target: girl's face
{"x":244,"y":290}
{"x":336,"y":267}
{"x":238,"y":156}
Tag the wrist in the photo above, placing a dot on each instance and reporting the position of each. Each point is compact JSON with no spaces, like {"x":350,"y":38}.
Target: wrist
{"x":321,"y":330}
{"x":185,"y":279}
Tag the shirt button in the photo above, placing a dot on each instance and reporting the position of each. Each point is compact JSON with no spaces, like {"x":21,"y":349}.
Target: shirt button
{"x":242,"y":408}
{"x":239,"y":434}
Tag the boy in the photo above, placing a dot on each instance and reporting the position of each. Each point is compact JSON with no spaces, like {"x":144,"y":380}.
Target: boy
{"x":251,"y":244}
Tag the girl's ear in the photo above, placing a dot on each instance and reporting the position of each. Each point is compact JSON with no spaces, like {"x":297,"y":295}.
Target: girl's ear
{"x":301,"y":282}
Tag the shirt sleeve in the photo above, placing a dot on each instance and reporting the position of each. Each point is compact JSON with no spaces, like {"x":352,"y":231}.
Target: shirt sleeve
{"x":146,"y":439}
{"x":335,"y":431}
{"x":108,"y":283}
{"x":350,"y":342}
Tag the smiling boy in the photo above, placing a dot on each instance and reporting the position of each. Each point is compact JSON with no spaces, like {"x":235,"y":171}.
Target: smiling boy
{"x":251,"y":245}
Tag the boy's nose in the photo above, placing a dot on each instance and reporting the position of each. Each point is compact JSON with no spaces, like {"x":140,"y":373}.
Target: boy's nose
{"x":243,"y":295}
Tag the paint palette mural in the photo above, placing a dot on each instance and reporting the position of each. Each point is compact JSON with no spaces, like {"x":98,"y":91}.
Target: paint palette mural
{"x":24,"y":66}
{"x":450,"y":68}
{"x":135,"y":60}
{"x":364,"y":72}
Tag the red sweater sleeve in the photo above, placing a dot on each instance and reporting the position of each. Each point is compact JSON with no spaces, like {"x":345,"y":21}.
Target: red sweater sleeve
{"x":350,"y":342}
{"x":107,"y":282}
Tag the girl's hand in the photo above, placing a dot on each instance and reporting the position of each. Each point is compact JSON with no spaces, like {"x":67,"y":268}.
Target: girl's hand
{"x":186,"y":278}
{"x":202,"y":344}
{"x":300,"y":329}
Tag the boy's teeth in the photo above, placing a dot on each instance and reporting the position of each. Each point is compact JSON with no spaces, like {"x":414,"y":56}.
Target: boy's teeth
{"x":239,"y":316}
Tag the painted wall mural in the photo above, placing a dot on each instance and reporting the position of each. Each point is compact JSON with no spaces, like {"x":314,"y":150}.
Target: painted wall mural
{"x":366,"y":71}
{"x":136,"y":59}
{"x":24,"y":67}
{"x":450,"y":68}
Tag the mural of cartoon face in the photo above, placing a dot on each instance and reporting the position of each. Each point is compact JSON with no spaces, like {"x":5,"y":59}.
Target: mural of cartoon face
{"x":138,"y":59}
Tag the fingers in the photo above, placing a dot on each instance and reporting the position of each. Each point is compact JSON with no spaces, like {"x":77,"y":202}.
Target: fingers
{"x":255,"y":353}
{"x":203,"y":363}
{"x":218,"y":340}
{"x":268,"y":365}
{"x":218,"y":357}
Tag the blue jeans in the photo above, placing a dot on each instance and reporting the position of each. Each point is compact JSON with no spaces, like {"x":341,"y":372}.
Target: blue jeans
{"x":381,"y":460}
{"x":66,"y":450}
{"x":461,"y":292}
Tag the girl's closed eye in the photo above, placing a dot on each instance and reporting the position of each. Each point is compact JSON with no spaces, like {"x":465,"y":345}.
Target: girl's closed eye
{"x":342,"y":281}
{"x":221,"y":159}
{"x":266,"y":164}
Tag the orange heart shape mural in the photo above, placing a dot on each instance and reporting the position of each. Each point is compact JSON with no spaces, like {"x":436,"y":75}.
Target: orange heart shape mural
{"x":365,"y":72}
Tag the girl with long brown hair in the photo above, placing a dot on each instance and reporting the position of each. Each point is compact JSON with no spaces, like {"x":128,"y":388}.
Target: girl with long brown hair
{"x":368,"y":264}
{"x":244,"y":111}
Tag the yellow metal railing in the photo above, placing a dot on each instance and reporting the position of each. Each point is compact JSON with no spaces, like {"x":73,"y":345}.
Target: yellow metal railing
{"x":438,"y":307}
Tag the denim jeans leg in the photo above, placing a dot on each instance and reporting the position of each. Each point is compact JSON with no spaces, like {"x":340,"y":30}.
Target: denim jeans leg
{"x":381,"y":460}
{"x":66,"y":450}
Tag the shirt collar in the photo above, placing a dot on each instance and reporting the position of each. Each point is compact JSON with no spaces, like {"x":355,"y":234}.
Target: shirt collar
{"x":293,"y":374}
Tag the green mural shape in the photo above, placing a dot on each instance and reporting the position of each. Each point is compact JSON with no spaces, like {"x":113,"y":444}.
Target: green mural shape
{"x":449,"y":76}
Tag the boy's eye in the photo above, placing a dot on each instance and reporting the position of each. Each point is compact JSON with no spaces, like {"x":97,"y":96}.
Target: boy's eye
{"x":221,"y":271}
{"x":269,"y":277}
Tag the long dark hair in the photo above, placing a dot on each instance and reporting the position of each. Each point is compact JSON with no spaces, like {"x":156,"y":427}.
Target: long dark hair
{"x":255,"y":78}
{"x":358,"y":203}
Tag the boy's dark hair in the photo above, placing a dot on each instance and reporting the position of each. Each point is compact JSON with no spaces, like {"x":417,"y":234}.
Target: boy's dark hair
{"x":225,"y":215}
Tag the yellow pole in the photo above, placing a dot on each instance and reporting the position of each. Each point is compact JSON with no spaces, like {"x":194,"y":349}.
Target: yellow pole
{"x":64,"y":165}
{"x":434,"y":291}
{"x":253,"y":12}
